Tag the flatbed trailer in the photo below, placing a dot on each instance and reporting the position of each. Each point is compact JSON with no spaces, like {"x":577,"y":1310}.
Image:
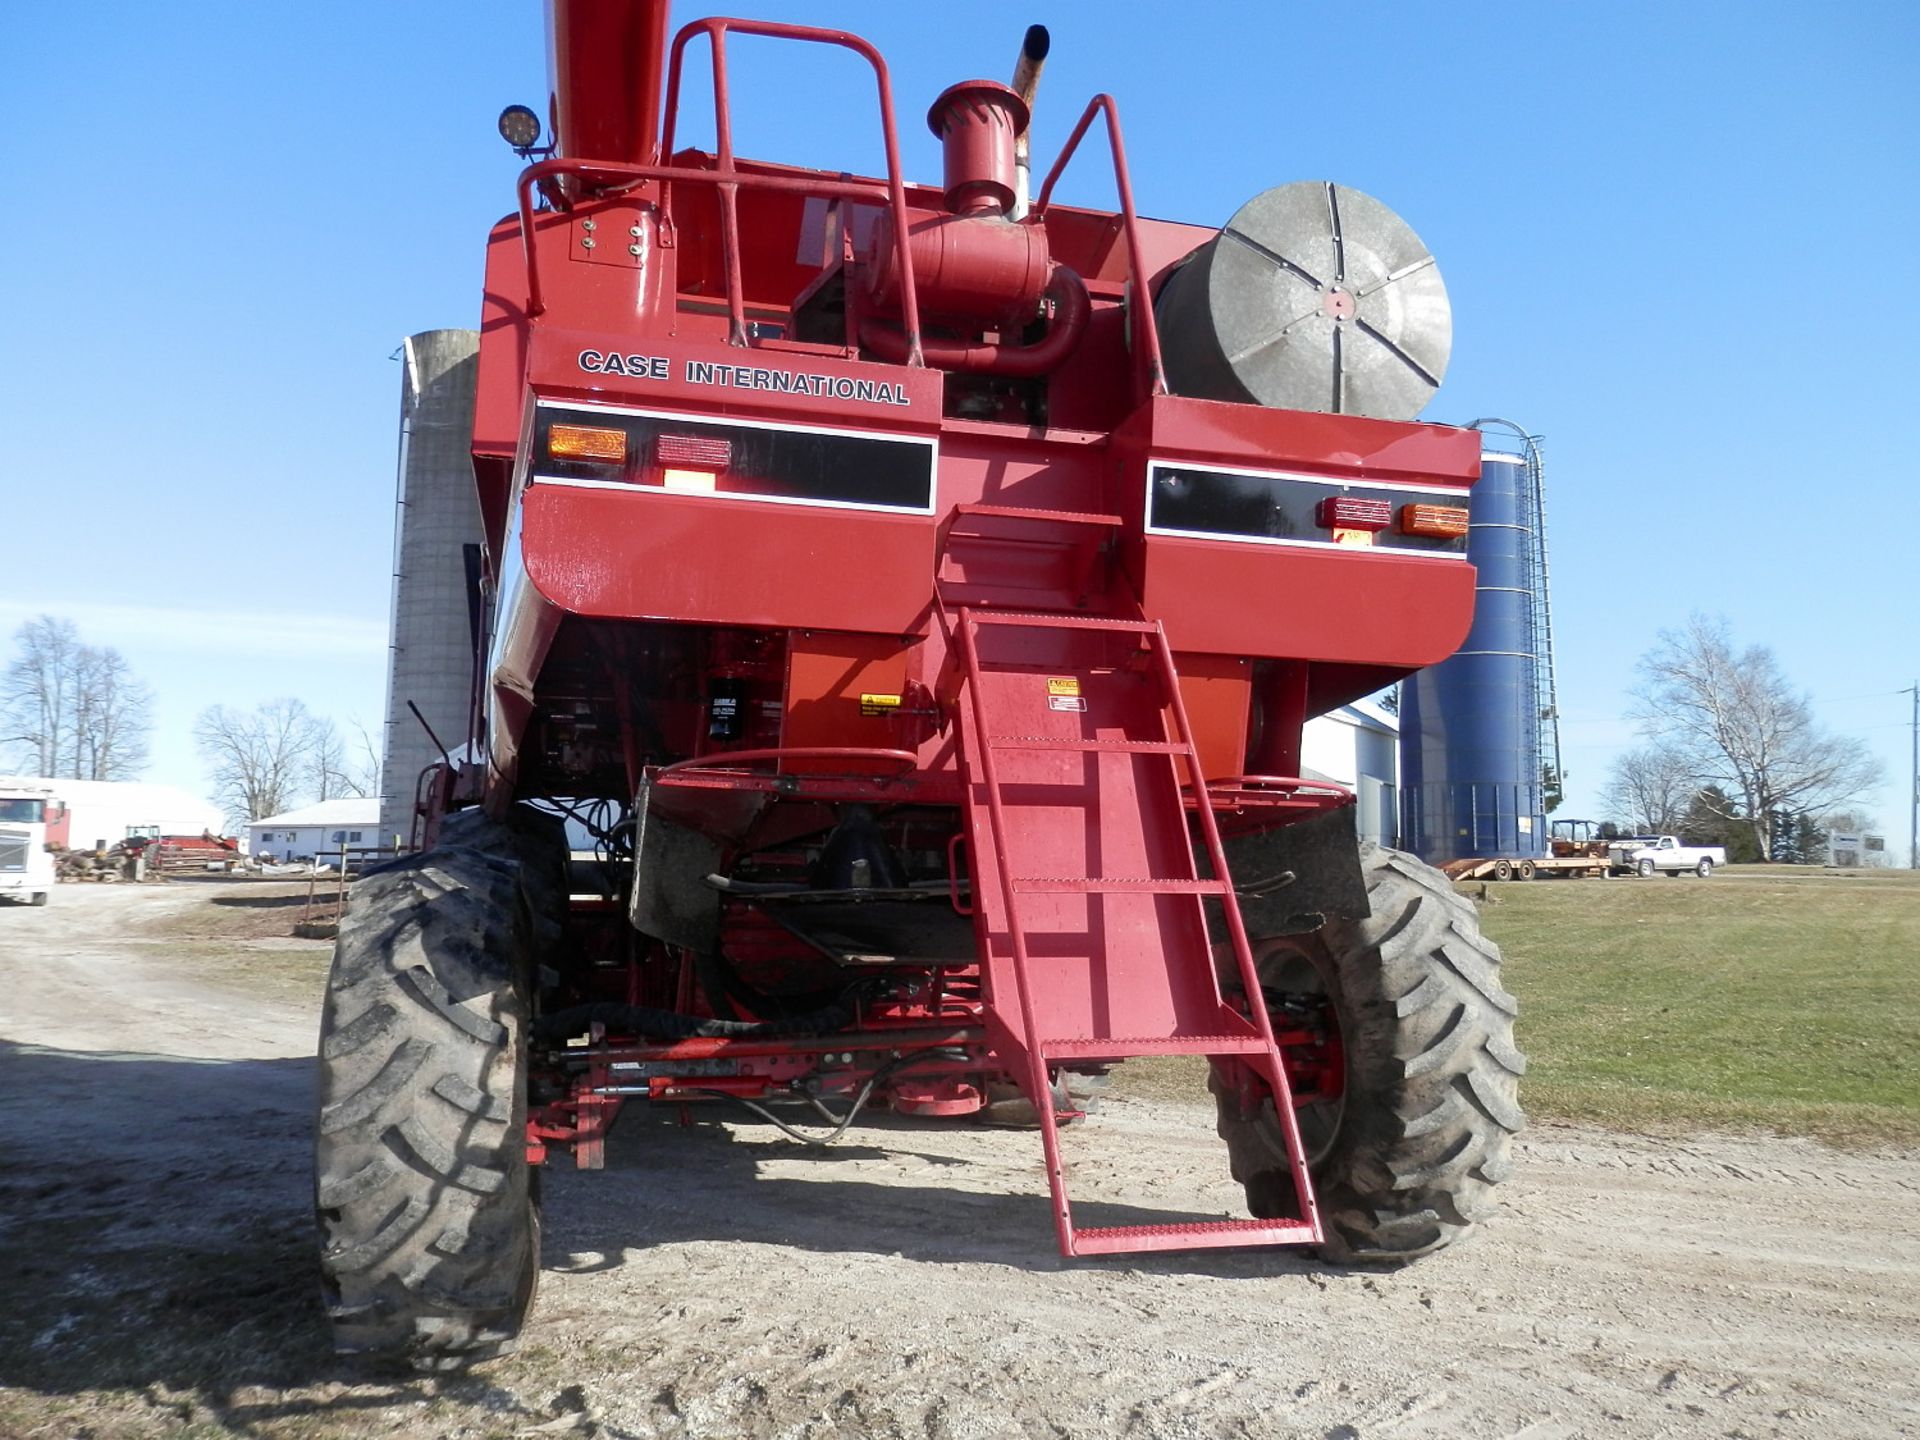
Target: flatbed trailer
{"x":1529,"y":867}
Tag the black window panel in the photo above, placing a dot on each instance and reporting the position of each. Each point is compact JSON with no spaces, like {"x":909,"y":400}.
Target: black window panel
{"x":1275,"y":507}
{"x":800,"y":465}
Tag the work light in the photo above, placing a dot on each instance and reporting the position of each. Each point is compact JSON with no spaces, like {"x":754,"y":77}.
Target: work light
{"x":519,"y":127}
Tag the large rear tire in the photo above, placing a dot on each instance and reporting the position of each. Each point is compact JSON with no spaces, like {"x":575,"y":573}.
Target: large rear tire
{"x":1405,"y":1161}
{"x":429,"y":1230}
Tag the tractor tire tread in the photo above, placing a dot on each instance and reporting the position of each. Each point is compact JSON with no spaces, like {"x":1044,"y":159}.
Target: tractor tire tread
{"x":1431,"y":1106}
{"x":423,"y":1194}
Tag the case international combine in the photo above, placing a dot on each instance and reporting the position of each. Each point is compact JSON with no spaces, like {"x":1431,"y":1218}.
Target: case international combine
{"x":919,"y":592}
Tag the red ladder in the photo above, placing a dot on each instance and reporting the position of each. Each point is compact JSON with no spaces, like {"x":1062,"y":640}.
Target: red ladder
{"x":1091,"y":904}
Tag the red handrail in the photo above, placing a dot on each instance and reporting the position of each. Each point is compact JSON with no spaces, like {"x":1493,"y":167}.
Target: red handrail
{"x":619,"y":170}
{"x":729,"y":179}
{"x":1146,"y":333}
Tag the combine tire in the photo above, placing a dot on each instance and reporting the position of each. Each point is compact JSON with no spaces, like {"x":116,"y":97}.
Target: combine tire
{"x":429,"y":1230}
{"x":1406,"y":1160}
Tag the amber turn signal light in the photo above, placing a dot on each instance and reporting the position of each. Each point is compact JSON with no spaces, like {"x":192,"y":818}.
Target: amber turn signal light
{"x":1442,"y":522}
{"x":587,"y":442}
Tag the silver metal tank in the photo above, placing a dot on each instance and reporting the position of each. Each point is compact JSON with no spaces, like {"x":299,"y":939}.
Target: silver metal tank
{"x":436,"y":519}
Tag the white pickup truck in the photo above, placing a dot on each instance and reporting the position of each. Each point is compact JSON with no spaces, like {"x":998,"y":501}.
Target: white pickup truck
{"x":1664,"y":854}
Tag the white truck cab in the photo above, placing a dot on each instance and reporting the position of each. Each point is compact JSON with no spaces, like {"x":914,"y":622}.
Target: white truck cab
{"x":26,"y":868}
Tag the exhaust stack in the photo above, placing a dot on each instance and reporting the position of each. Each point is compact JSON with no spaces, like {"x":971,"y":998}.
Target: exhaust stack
{"x":1026,"y":81}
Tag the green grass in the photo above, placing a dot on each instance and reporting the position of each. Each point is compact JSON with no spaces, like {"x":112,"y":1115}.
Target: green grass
{"x":1764,"y":998}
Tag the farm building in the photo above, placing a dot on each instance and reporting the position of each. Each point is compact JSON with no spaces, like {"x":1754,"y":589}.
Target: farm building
{"x":1357,"y":746}
{"x":105,"y":812}
{"x":315,"y":832}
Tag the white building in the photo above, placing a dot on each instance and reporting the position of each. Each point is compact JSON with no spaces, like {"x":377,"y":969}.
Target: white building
{"x":1358,"y":746}
{"x":105,"y":812}
{"x":318,"y":832}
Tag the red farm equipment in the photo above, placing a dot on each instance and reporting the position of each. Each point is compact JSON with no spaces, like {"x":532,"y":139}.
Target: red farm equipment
{"x":917,"y":594}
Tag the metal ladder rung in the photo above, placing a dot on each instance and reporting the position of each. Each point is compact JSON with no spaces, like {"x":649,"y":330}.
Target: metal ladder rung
{"x":1200,"y":1235}
{"x":1124,"y":747}
{"x":1041,"y":620}
{"x":1122,"y":1047}
{"x":1121,"y":885}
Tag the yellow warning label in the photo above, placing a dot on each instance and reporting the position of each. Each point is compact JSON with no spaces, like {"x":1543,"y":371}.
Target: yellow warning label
{"x":1352,"y":537}
{"x":878,"y":704}
{"x":1068,"y":686}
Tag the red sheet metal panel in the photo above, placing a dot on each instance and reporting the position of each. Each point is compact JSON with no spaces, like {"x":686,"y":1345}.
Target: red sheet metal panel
{"x":848,"y":690}
{"x":1315,"y":605}
{"x":624,"y":553}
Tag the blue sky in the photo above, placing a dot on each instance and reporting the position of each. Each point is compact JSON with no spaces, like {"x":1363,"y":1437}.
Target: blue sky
{"x":1679,"y":242}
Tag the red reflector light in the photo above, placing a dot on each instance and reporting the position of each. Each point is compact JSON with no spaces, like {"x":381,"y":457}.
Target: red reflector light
{"x":586,"y":442}
{"x":1349,"y":512}
{"x":693,"y":452}
{"x":1444,"y":522}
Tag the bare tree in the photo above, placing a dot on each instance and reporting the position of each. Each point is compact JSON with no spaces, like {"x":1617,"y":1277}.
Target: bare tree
{"x":1651,"y":788}
{"x":74,"y":711}
{"x":36,"y":696}
{"x":1745,"y":728}
{"x":326,"y":762}
{"x":260,"y":758}
{"x":364,"y":767}
{"x":112,"y":716}
{"x":339,"y":768}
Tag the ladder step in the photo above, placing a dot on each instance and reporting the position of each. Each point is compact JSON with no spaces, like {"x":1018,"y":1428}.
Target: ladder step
{"x":1125,"y":885}
{"x":1199,"y":1235}
{"x":1045,"y":620}
{"x":1055,"y":517}
{"x":1052,"y":742}
{"x":1121,"y":1047}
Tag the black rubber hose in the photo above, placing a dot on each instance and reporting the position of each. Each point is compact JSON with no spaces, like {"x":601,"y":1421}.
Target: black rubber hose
{"x":671,"y":1025}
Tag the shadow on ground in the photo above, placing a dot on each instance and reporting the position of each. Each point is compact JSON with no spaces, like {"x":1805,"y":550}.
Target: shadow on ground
{"x":703,"y":1181}
{"x":325,"y":895}
{"x":156,"y":1236}
{"x":156,"y":1245}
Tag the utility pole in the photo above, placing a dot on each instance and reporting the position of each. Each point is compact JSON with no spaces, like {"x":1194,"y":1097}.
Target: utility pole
{"x":1913,"y":797}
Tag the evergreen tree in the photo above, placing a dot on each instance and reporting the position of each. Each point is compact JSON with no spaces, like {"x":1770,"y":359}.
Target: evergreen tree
{"x":1784,"y":832}
{"x":1810,"y":840}
{"x":1712,"y":818}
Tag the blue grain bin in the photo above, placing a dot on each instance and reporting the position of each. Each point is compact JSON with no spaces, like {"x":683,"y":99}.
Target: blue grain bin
{"x":1470,"y":726}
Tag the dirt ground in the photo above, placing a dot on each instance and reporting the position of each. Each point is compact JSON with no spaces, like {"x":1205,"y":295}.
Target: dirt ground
{"x":157,"y":1275}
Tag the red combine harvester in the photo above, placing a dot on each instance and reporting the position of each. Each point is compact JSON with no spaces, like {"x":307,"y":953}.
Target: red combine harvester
{"x":918,"y":594}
